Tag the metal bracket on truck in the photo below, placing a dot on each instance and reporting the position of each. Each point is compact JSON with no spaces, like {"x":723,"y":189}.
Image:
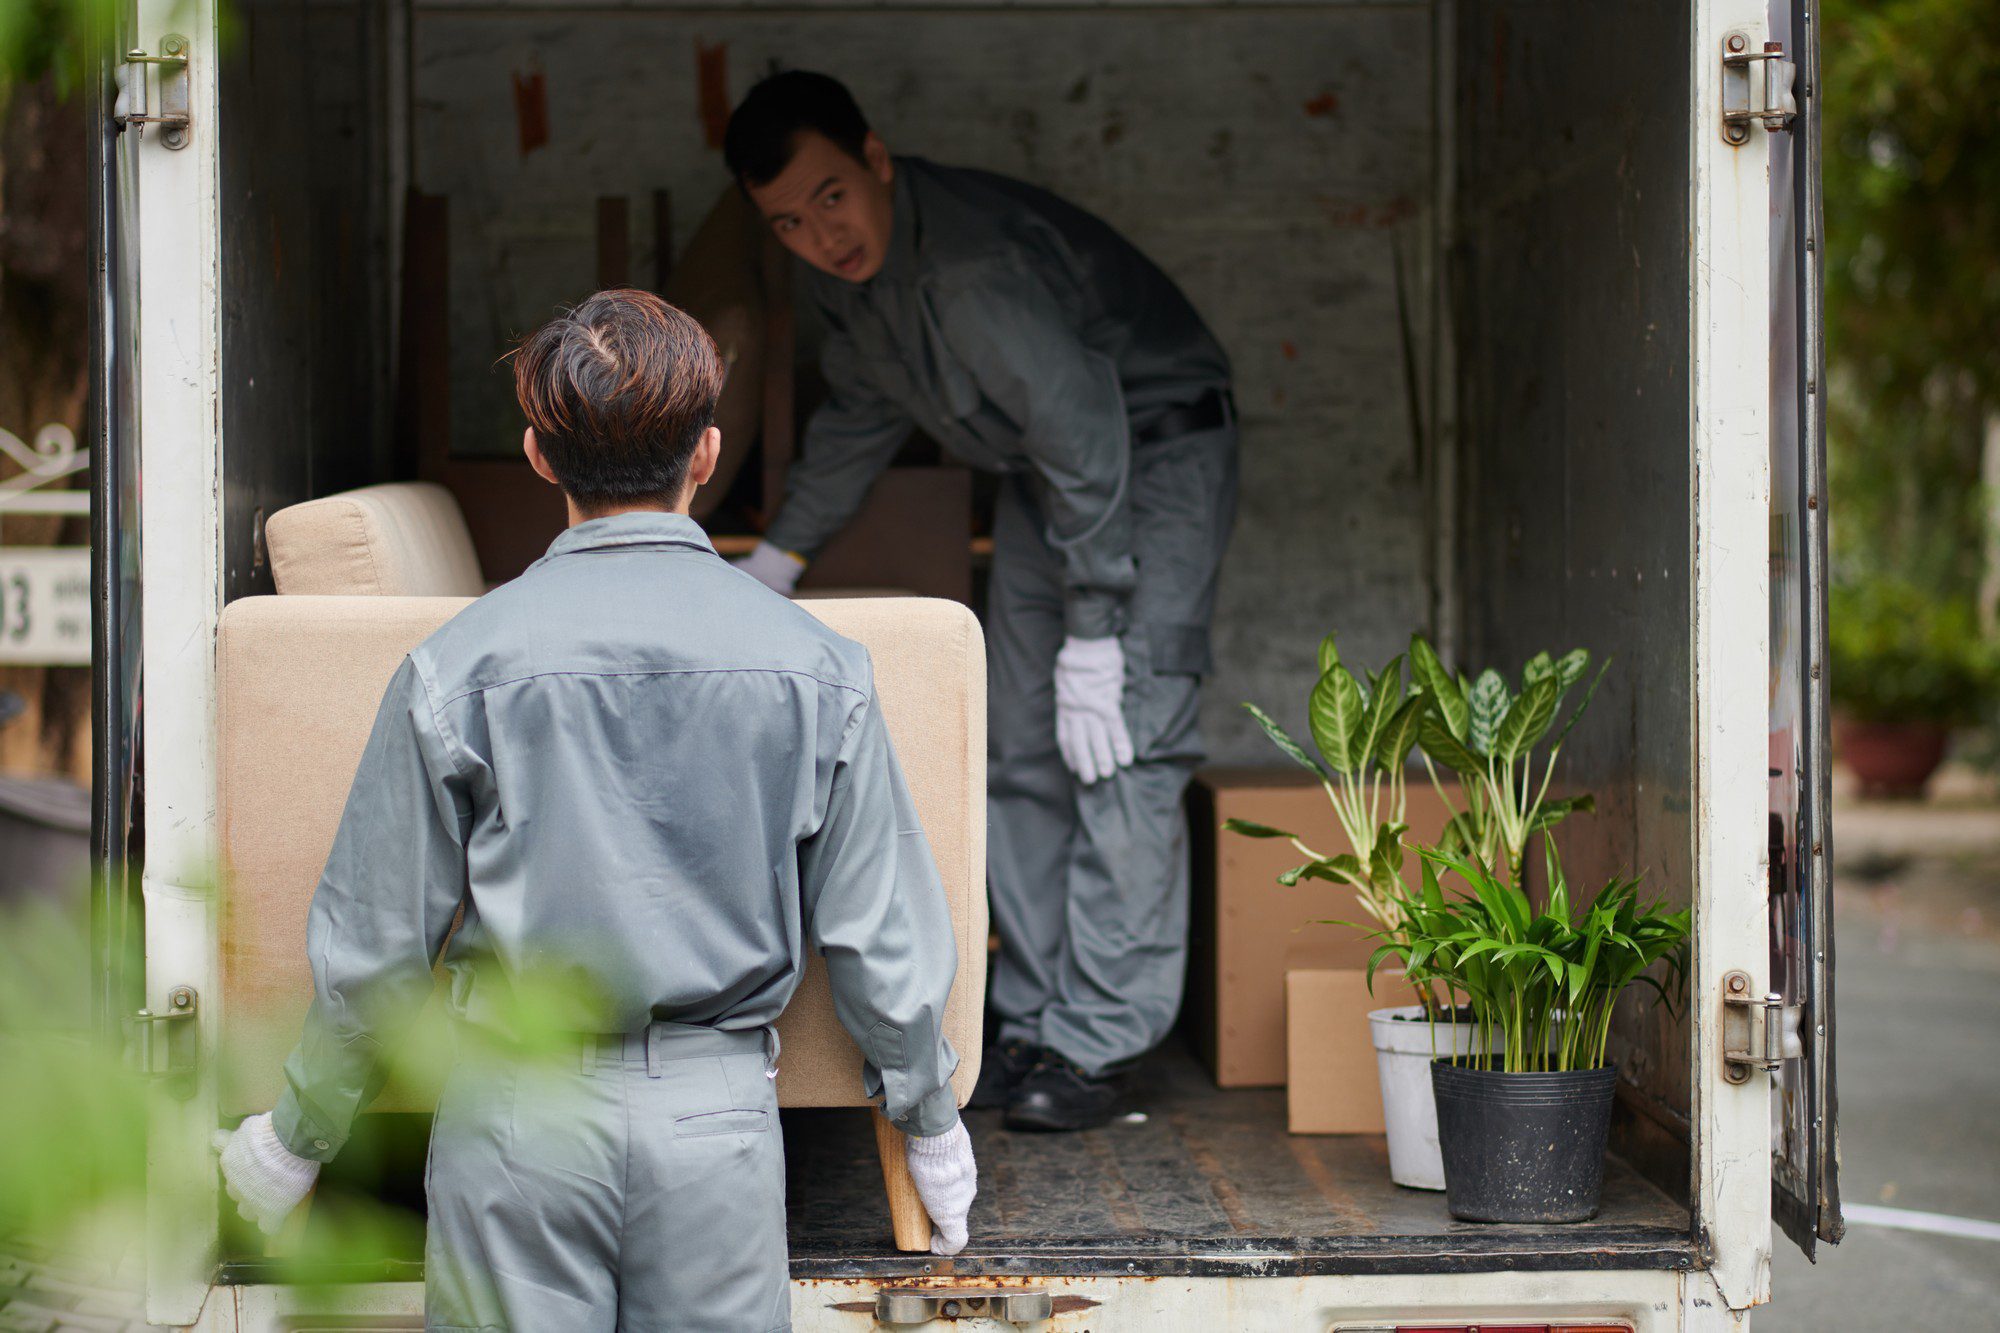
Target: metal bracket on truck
{"x":915,"y":1305}
{"x":173,"y":1055}
{"x":1775,"y":108}
{"x":175,"y":119}
{"x":1758,"y":1032}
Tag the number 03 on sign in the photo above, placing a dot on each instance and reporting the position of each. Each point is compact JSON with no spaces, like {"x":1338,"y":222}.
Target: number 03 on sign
{"x":45,"y":605}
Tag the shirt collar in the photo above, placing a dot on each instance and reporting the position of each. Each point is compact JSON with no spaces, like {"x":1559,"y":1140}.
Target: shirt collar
{"x":900,"y":263}
{"x":647,"y":528}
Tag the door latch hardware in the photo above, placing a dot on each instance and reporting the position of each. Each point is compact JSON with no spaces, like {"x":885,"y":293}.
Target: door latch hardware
{"x":1774,"y":108}
{"x":134,"y":105}
{"x":917,"y":1305}
{"x":171,"y":1054}
{"x":1757,"y":1032}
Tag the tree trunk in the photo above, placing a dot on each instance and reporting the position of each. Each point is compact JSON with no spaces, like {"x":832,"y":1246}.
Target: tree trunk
{"x":1989,"y":484}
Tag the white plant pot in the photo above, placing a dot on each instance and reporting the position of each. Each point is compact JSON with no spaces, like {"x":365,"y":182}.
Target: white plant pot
{"x":1404,"y":1046}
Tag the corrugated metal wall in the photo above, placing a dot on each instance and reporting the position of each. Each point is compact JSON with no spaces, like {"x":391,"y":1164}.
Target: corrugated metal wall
{"x":305,"y":359}
{"x":1570,"y":285}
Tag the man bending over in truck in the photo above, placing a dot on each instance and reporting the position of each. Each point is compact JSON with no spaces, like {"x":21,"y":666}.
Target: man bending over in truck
{"x":638,"y":769}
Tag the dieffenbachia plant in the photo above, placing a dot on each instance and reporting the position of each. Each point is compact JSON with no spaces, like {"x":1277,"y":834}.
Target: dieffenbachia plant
{"x":1489,"y":736}
{"x":1364,"y":729}
{"x":1541,"y":982}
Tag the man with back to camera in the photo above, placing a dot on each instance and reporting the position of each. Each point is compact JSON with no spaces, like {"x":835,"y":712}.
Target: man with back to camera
{"x":605,"y":763}
{"x":1027,"y":338}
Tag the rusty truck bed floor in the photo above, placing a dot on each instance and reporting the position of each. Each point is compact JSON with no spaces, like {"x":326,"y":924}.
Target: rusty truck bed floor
{"x":1209,"y":1182}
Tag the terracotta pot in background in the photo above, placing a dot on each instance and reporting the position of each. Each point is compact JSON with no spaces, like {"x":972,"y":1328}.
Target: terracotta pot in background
{"x":1893,"y":759}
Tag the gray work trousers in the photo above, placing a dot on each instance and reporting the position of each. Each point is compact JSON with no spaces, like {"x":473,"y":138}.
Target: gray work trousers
{"x":1089,"y":884}
{"x":638,"y":1184}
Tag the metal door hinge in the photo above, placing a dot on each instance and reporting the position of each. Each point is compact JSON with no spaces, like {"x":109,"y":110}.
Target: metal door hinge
{"x":134,"y":105}
{"x":1774,"y":108}
{"x":1757,"y":1032}
{"x":172,"y":1054}
{"x":918,"y":1305}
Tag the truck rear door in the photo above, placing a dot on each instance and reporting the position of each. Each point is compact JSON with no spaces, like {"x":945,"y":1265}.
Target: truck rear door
{"x":1805,"y":1199}
{"x":158,"y":366}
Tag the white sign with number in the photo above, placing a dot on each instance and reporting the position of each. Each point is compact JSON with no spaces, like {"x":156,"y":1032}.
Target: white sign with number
{"x":45,"y":605}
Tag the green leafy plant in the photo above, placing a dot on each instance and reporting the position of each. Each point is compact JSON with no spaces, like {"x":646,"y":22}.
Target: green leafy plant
{"x":1489,"y":735}
{"x":1541,"y":984}
{"x":1900,"y":655}
{"x":1364,"y":729}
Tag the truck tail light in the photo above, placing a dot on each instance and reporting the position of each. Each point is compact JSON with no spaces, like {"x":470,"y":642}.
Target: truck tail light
{"x":1484,"y":1328}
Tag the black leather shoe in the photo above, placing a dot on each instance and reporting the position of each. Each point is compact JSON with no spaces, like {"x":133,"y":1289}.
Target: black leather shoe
{"x":1056,"y":1095}
{"x":1001,"y":1070}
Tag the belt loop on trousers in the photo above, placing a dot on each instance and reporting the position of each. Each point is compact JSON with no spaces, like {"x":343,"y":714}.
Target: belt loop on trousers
{"x":653,"y":1035}
{"x":771,"y":1046}
{"x":587,"y":1055}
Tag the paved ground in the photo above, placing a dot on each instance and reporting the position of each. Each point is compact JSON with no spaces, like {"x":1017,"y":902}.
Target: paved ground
{"x":1917,"y":905}
{"x":45,"y":1293}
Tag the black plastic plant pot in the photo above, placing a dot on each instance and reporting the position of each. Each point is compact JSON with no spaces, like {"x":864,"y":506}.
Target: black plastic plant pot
{"x":1523,"y":1147}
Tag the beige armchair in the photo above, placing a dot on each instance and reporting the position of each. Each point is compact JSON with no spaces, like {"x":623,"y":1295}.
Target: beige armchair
{"x":300,"y":678}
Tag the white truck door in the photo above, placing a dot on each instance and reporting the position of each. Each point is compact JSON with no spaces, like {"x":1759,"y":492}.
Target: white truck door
{"x":1762,"y":1009}
{"x":1805,"y":1197}
{"x":157,"y":393}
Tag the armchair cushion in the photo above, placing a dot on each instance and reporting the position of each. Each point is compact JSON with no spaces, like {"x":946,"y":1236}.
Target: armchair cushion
{"x":402,"y":539}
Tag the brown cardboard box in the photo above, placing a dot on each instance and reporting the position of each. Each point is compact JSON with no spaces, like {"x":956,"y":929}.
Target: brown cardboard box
{"x":1248,"y":930}
{"x":1333,"y":1087}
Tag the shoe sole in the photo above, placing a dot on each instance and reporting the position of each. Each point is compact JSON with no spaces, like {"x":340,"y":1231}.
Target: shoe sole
{"x":1033,"y":1123}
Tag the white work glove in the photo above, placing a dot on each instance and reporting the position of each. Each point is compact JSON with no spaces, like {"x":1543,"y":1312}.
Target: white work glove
{"x":773,"y":566}
{"x":1090,"y":725}
{"x":946,"y":1180}
{"x":262,"y":1175}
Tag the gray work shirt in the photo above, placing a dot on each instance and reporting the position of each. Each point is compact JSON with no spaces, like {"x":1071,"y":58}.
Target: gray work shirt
{"x":651,"y":784}
{"x":1023,"y":335}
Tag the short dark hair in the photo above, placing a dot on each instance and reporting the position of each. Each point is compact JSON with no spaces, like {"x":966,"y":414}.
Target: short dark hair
{"x":619,"y":391}
{"x":764,"y":129}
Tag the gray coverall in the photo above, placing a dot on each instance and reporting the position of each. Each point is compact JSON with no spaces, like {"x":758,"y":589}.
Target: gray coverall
{"x":650,"y":784}
{"x":1028,"y":338}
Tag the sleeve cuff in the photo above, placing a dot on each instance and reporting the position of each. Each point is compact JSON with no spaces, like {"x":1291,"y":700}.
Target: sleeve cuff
{"x":787,"y":538}
{"x":932,"y":1116}
{"x":301,"y":1135}
{"x":1093,"y":615}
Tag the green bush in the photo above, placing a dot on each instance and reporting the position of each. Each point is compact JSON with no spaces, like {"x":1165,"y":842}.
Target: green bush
{"x":1899,"y":654}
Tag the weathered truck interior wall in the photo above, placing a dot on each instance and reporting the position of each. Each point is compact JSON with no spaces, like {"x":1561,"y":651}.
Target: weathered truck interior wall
{"x":1277,"y":161}
{"x":1569,"y":286}
{"x":304,"y":351}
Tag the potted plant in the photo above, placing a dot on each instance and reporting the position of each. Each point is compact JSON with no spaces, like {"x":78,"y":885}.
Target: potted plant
{"x":1907,"y":669}
{"x":1364,"y":729}
{"x":1488,"y":735}
{"x":1525,"y":1113}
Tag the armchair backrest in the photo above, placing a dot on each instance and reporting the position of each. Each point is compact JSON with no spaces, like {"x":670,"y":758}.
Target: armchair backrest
{"x":300,"y":680}
{"x":399,"y":539}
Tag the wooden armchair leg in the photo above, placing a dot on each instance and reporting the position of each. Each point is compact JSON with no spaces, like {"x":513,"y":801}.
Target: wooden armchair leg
{"x":906,"y":1211}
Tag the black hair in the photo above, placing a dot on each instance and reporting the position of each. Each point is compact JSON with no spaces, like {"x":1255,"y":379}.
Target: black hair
{"x":764,"y":130}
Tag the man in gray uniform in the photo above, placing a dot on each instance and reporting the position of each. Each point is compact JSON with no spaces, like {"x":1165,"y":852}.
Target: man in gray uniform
{"x":650,"y":786}
{"x":1028,"y":338}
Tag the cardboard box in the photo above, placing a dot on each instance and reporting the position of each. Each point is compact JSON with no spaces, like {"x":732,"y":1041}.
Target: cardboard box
{"x":1248,"y":930}
{"x":1333,"y":1086}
